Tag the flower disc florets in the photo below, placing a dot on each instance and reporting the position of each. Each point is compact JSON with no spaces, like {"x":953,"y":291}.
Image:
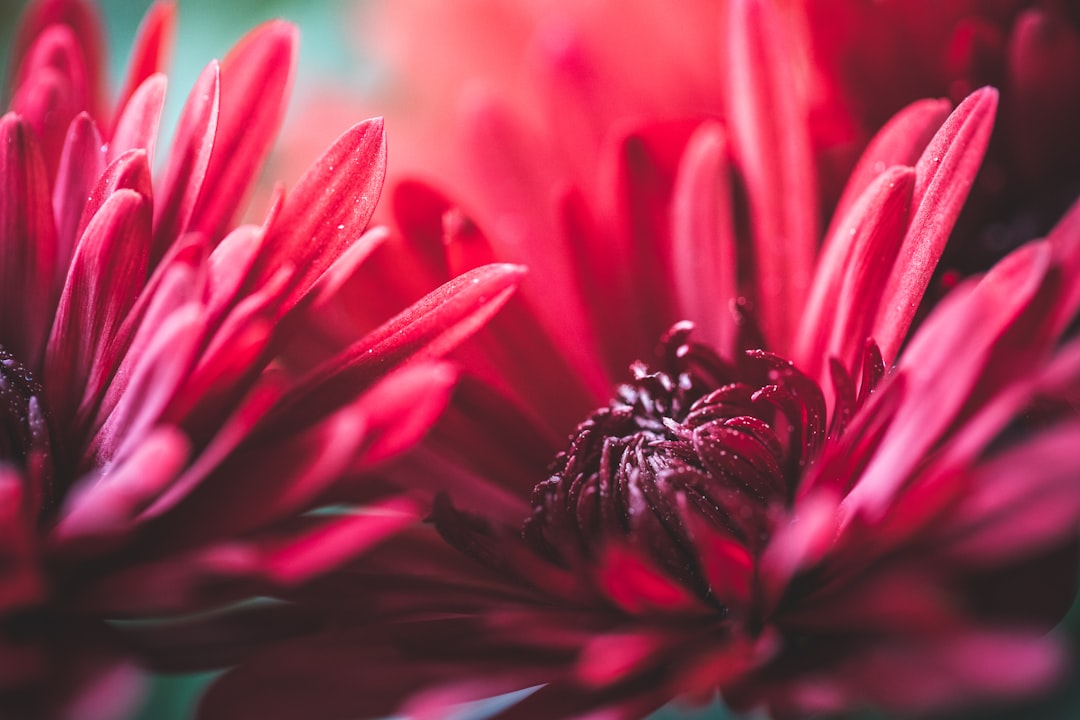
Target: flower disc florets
{"x":697,"y":440}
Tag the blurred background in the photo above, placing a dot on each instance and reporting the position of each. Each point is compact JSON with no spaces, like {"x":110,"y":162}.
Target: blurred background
{"x":330,"y":52}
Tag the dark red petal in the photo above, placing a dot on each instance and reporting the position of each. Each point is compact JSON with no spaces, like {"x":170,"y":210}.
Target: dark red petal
{"x":81,"y":164}
{"x":52,"y":89}
{"x":27,"y":242}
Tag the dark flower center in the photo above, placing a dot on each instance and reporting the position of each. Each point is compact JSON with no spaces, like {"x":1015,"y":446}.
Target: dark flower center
{"x":21,"y":418}
{"x":691,"y":439}
{"x":24,"y":431}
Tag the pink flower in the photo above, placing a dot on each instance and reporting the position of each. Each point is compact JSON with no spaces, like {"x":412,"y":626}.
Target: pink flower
{"x":158,"y":458}
{"x":817,"y":498}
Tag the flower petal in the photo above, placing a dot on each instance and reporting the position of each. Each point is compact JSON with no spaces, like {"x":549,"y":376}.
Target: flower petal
{"x":256,"y":78}
{"x":329,"y":208}
{"x":27,"y":242}
{"x":185,"y":174}
{"x":767,"y":121}
{"x":944,"y":175}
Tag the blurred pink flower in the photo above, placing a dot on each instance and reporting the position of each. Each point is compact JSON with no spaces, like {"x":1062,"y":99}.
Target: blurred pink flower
{"x":157,"y":458}
{"x":818,"y":498}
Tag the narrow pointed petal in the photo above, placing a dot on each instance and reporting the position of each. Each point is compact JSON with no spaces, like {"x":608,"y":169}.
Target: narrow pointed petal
{"x":900,"y":142}
{"x":256,"y":78}
{"x":703,"y":238}
{"x":185,"y":173}
{"x":137,"y":124}
{"x":329,"y":208}
{"x":339,"y":539}
{"x":944,"y":175}
{"x":155,"y":377}
{"x":81,"y":164}
{"x":771,"y":145}
{"x":843,"y":302}
{"x":150,"y":51}
{"x":130,"y":171}
{"x":27,"y":241}
{"x":106,"y":274}
{"x":102,"y":509}
{"x":430,"y":328}
{"x":52,"y":89}
{"x":81,"y":17}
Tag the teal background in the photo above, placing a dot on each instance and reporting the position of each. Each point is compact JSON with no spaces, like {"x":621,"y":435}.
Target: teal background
{"x":207,"y":28}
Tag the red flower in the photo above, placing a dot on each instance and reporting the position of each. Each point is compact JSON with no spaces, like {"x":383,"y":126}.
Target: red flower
{"x":157,"y":458}
{"x":769,"y":506}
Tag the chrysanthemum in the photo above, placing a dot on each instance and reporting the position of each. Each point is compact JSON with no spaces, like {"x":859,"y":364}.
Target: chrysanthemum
{"x":156,"y":459}
{"x":815,"y":498}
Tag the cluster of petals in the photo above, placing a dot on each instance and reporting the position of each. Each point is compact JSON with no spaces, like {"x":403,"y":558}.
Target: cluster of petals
{"x":158,"y":457}
{"x":819,"y":493}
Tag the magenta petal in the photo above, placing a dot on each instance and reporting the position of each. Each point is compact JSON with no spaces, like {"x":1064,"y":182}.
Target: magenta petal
{"x":81,"y":164}
{"x":944,"y":363}
{"x":703,"y":238}
{"x":944,"y":175}
{"x":150,"y":51}
{"x":27,"y":242}
{"x":329,"y":208}
{"x":402,"y":408}
{"x":105,"y":507}
{"x":229,"y":437}
{"x":137,"y":124}
{"x":106,"y":275}
{"x":81,"y":19}
{"x":129,"y":171}
{"x":634,"y":585}
{"x":256,"y":77}
{"x":52,"y":89}
{"x":917,"y":674}
{"x":338,"y":539}
{"x":189,"y":158}
{"x":260,"y":483}
{"x":432,"y":327}
{"x":1003,"y":518}
{"x":900,"y":142}
{"x":844,"y":299}
{"x":151,"y":378}
{"x":771,"y":146}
